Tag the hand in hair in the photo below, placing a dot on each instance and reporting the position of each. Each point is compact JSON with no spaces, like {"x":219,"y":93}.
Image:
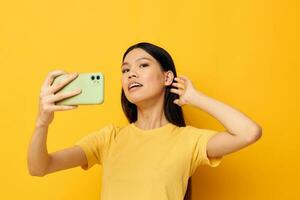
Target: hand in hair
{"x":185,"y":90}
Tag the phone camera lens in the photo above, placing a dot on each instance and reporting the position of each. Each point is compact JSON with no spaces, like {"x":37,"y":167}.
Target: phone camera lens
{"x":93,"y":77}
{"x":98,"y":77}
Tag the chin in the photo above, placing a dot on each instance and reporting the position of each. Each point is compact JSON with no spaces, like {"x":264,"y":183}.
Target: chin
{"x":136,"y":99}
{"x":143,"y":95}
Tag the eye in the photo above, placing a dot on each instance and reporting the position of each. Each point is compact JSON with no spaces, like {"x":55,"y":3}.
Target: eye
{"x":145,"y":64}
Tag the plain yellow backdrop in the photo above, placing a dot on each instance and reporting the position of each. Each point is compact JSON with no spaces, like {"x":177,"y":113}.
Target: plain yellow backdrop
{"x":243,"y":53}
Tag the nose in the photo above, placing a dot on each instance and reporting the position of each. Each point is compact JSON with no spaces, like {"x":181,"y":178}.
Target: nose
{"x":132,"y":73}
{"x":130,"y":76}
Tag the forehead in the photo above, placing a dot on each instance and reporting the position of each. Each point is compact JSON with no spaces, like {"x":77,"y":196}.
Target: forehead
{"x":136,"y":55}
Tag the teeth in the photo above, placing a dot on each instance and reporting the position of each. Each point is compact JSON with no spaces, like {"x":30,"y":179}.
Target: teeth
{"x":134,"y":84}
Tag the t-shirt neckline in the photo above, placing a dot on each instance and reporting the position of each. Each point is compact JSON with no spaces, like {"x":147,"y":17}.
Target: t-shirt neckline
{"x":165,"y":128}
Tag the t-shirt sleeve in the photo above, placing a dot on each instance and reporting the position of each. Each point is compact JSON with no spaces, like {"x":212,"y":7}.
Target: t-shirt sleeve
{"x":199,"y":155}
{"x":95,"y":145}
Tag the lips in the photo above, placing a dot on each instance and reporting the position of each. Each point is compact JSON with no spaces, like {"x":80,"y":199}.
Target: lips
{"x":134,"y":84}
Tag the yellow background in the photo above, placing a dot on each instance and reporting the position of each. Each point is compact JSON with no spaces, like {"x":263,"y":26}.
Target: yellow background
{"x":243,"y":53}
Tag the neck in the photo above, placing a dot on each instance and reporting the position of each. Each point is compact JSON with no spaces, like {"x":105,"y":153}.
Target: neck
{"x":151,"y":116}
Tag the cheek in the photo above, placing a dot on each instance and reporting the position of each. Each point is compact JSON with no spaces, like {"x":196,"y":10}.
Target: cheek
{"x":154,"y":82}
{"x":123,"y":83}
{"x":152,"y":77}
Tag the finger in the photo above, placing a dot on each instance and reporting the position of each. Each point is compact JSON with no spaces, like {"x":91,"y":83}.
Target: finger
{"x":176,"y":91}
{"x":60,"y":96}
{"x":183,"y":77}
{"x":179,"y":85}
{"x":49,"y":79}
{"x":61,"y":107}
{"x":176,"y":101}
{"x":56,"y":87}
{"x":178,"y":79}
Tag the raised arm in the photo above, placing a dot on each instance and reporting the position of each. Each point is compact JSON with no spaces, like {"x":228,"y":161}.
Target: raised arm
{"x":39,"y":161}
{"x":241,"y":130}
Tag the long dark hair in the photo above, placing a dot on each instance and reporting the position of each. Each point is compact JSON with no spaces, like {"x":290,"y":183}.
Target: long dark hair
{"x":172,"y":111}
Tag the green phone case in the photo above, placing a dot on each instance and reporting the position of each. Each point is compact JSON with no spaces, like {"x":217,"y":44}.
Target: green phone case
{"x":91,"y":85}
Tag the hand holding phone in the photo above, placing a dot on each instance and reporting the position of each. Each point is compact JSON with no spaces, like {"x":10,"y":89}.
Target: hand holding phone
{"x":47,"y":98}
{"x":91,"y":85}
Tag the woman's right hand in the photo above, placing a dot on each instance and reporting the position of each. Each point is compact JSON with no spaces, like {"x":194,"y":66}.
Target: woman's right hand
{"x":48,"y":97}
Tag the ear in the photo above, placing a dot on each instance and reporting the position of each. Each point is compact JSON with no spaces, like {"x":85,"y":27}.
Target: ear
{"x":169,"y":76}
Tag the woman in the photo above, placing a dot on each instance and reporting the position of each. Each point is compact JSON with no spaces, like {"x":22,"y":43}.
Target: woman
{"x":155,"y":155}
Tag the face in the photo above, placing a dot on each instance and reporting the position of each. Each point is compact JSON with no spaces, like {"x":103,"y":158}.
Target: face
{"x":139,"y":66}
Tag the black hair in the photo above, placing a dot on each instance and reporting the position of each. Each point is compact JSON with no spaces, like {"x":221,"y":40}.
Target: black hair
{"x":172,"y":111}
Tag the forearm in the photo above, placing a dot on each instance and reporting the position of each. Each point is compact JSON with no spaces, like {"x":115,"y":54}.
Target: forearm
{"x":234,"y":121}
{"x":38,"y":157}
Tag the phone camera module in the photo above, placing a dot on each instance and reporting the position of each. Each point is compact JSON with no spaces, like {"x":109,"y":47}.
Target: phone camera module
{"x":93,"y":77}
{"x":98,"y":77}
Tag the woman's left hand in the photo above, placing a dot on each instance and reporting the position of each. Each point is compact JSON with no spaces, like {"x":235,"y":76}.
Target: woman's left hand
{"x":185,"y":90}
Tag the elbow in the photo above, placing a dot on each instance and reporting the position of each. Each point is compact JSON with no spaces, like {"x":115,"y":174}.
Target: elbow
{"x":35,"y":172}
{"x":36,"y":167}
{"x":255,"y":134}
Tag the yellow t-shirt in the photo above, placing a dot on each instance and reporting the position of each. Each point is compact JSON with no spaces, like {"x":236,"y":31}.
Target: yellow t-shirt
{"x":147,"y":164}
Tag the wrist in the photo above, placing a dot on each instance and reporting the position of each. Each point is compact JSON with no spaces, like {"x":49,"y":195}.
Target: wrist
{"x":195,"y":97}
{"x":40,"y":124}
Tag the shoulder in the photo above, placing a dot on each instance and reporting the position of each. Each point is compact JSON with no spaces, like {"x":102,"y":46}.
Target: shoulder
{"x":109,"y":129}
{"x":112,"y":129}
{"x":195,"y":132}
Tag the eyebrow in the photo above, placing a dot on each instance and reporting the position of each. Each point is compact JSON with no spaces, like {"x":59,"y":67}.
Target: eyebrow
{"x":125,"y":63}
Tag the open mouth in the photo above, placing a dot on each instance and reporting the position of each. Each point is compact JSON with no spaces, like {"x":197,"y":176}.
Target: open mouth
{"x":134,"y":86}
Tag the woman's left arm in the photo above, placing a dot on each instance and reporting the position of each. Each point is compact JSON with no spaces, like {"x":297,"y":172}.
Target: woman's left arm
{"x":241,"y":130}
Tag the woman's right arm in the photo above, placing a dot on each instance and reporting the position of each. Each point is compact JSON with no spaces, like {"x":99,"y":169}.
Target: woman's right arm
{"x":39,"y":161}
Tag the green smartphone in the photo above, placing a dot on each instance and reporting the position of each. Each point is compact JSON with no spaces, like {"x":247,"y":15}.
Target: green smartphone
{"x":91,"y":85}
